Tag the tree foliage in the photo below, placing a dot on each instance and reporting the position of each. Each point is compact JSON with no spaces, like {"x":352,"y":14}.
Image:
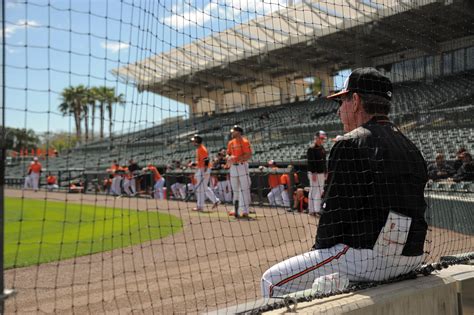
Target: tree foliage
{"x":81,"y":102}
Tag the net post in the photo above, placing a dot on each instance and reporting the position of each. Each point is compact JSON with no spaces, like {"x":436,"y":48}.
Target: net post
{"x":4,"y":294}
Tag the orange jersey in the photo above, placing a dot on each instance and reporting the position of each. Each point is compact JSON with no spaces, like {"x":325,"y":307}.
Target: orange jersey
{"x":51,"y":180}
{"x":156,"y":174}
{"x":274,"y":179}
{"x":127,"y":174}
{"x":238,"y":147}
{"x":113,"y":168}
{"x":201,"y":156}
{"x":35,"y":168}
{"x":285,"y":179}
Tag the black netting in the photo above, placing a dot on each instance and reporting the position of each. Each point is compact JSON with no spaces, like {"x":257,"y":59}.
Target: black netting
{"x":182,"y":157}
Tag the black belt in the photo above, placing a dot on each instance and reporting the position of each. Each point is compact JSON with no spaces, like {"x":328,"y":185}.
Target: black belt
{"x":239,"y":163}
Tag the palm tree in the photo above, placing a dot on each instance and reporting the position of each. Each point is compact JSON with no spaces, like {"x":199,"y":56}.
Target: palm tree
{"x":72,"y":103}
{"x":119,"y":99}
{"x":93,"y":95}
{"x":102,"y":94}
{"x":85,"y":111}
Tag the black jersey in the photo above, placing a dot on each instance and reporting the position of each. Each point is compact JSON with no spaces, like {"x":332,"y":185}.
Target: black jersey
{"x":316,"y":159}
{"x":373,"y":170}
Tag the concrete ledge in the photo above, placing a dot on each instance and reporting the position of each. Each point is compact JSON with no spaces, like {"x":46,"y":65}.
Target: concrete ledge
{"x":450,"y":291}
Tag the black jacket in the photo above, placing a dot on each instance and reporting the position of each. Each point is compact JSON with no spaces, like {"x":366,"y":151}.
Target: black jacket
{"x":316,"y":159}
{"x":373,"y":170}
{"x":433,"y":170}
{"x":465,"y":173}
{"x":219,"y":165}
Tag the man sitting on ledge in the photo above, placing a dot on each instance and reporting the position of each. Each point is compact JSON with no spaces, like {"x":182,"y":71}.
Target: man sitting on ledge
{"x":372,"y":224}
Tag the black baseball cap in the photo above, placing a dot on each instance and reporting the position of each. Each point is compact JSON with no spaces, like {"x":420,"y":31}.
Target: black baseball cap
{"x":366,"y":81}
{"x":237,"y":128}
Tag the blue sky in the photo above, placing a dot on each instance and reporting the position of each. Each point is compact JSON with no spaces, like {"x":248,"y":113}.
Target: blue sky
{"x":56,"y":43}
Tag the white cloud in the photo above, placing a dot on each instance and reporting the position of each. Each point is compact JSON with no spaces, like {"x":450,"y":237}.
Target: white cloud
{"x":186,"y":15}
{"x":114,"y":47}
{"x":11,"y":29}
{"x":12,"y":3}
{"x":190,"y":17}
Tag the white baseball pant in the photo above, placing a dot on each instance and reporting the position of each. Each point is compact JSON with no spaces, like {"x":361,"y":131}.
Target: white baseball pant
{"x":28,"y":183}
{"x":315,"y":192}
{"x":158,"y":189}
{"x":34,"y":178}
{"x":202,"y":188}
{"x":286,"y":198}
{"x":274,"y":196}
{"x":115,"y":188}
{"x":240,"y":182}
{"x":129,"y":185}
{"x":51,"y":187}
{"x":224,"y":190}
{"x":179,"y":190}
{"x":383,"y":262}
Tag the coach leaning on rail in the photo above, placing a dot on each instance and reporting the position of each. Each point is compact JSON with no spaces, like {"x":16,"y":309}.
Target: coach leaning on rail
{"x":372,"y":225}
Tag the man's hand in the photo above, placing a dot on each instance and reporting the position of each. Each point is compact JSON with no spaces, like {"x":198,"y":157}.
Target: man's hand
{"x":314,"y":177}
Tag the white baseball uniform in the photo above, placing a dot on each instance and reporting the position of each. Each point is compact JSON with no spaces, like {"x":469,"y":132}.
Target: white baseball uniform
{"x":275,"y":196}
{"x":240,"y":182}
{"x":239,"y":173}
{"x":202,"y":188}
{"x":315,"y":192}
{"x":382,"y":262}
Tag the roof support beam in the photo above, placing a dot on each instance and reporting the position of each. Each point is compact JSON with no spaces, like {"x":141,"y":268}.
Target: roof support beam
{"x":300,"y":66}
{"x":249,"y":73}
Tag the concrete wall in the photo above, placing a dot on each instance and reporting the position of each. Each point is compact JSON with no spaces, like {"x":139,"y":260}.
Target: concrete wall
{"x":234,"y":102}
{"x":437,"y":294}
{"x":447,"y":292}
{"x":205,"y":105}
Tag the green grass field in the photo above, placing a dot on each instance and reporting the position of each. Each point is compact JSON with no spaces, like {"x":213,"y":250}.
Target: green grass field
{"x":38,"y":231}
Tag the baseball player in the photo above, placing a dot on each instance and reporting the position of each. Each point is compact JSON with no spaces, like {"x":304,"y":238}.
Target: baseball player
{"x":129,"y":183}
{"x":116,"y":171}
{"x":179,"y":187}
{"x":224,"y":190}
{"x":159,"y":182}
{"x":285,"y":182}
{"x":372,"y":225}
{"x":28,"y":183}
{"x":34,"y":172}
{"x":52,"y":182}
{"x":202,"y":175}
{"x":239,"y":152}
{"x":276,"y":188}
{"x":317,"y":172}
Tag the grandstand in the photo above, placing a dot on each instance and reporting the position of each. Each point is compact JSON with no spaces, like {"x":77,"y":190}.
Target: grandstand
{"x":437,"y":116}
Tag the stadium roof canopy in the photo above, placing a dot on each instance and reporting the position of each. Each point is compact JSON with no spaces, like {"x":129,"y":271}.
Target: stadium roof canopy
{"x":303,"y":38}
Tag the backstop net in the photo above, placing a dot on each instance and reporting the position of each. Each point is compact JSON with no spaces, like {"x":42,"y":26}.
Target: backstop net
{"x":164,"y":156}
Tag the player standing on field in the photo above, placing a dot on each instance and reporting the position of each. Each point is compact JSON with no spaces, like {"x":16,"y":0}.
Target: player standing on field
{"x":372,"y":225}
{"x":34,"y":172}
{"x":239,"y":152}
{"x":317,"y":172}
{"x":202,"y":175}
